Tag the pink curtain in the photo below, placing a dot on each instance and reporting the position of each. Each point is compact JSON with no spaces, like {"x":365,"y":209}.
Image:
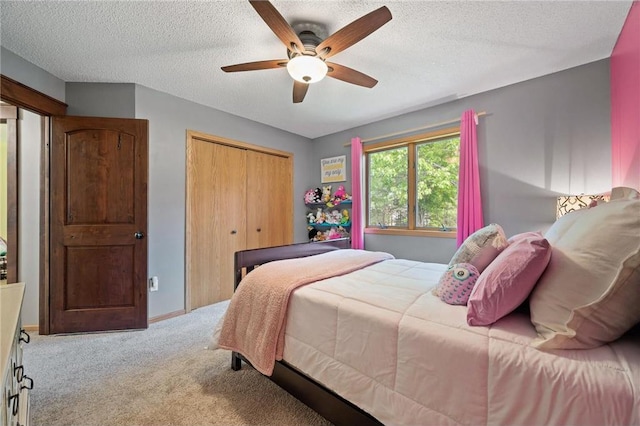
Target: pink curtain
{"x":469,"y":200}
{"x":357,"y":228}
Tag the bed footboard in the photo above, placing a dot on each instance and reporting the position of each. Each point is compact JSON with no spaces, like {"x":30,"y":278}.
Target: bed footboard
{"x":246,"y":260}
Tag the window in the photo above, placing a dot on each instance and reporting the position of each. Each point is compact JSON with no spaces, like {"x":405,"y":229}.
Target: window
{"x":412,"y":184}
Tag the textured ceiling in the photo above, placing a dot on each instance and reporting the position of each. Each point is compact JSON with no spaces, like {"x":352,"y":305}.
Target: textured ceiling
{"x":430,"y":52}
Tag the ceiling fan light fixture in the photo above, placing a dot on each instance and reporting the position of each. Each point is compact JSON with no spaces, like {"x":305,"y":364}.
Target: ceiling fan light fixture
{"x":307,"y":69}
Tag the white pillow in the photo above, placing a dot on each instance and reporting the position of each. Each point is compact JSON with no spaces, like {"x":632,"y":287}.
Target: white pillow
{"x":589,"y":293}
{"x":622,"y":192}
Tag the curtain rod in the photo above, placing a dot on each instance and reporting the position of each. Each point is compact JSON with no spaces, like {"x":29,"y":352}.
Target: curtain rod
{"x":415,"y":129}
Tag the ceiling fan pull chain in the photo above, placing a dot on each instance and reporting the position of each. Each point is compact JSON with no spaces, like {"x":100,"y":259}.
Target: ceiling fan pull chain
{"x":295,"y":49}
{"x":325,"y":51}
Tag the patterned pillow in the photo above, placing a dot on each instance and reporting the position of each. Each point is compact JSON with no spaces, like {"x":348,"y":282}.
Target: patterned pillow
{"x":456,"y":283}
{"x":481,"y":247}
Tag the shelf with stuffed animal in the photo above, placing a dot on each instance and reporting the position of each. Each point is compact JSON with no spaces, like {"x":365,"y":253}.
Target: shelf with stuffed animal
{"x":334,"y":233}
{"x":328,"y":216}
{"x":323,"y":196}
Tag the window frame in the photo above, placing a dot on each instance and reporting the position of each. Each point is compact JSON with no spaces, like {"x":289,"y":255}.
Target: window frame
{"x":411,"y":143}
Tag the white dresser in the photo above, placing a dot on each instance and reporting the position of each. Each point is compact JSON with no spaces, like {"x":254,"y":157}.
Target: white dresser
{"x":15,"y":383}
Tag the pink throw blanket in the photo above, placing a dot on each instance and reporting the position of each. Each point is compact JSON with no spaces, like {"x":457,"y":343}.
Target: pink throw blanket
{"x":255,"y":321}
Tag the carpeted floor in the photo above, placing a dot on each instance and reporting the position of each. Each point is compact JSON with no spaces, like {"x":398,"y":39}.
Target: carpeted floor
{"x":160,"y":376}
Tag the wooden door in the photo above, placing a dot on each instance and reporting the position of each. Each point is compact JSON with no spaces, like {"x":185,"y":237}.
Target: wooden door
{"x":216,"y":219}
{"x":270,"y":200}
{"x":98,"y":267}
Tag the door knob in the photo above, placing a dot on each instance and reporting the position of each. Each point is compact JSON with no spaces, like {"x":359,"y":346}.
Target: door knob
{"x":233,"y":231}
{"x":139,"y":235}
{"x":259,"y":229}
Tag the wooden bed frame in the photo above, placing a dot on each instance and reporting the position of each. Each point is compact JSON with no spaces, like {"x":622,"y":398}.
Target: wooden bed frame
{"x":325,"y":402}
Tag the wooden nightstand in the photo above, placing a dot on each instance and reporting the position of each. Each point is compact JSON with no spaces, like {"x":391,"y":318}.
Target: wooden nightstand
{"x":15,"y":383}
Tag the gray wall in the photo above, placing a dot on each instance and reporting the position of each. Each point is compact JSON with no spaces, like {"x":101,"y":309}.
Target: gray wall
{"x":542,"y":137}
{"x":101,"y":99}
{"x":18,"y":69}
{"x":169,"y":119}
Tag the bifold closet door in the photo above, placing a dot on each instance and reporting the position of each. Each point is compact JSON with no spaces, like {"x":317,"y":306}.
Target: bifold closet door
{"x":269,"y":200}
{"x":216,"y":219}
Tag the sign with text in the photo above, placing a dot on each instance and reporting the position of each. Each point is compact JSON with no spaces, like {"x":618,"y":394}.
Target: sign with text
{"x":333,"y":169}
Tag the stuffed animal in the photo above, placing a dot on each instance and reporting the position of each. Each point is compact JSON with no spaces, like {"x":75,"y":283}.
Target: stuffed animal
{"x":340,"y":193}
{"x":336,"y":217}
{"x":313,"y":233}
{"x":345,"y":217}
{"x":320,"y":217}
{"x":339,"y":196}
{"x":311,"y":218}
{"x":326,"y":194}
{"x":310,"y":196}
{"x":333,"y":234}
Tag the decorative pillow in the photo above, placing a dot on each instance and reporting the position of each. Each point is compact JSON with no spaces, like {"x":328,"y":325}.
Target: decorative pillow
{"x":624,"y":193}
{"x":509,"y":279}
{"x":481,"y":247}
{"x":589,"y":293}
{"x":456,"y":283}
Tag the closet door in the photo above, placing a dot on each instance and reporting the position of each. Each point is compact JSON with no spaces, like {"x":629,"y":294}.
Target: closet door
{"x":269,"y":200}
{"x":216,"y":219}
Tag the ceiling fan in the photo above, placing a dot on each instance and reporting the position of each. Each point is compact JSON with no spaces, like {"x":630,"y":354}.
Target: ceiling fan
{"x":307,"y":53}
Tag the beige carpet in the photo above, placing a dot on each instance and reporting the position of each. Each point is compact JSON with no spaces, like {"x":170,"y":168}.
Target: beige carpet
{"x":159,"y":376}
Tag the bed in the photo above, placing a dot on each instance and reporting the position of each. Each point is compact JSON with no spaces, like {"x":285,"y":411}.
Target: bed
{"x":377,"y":346}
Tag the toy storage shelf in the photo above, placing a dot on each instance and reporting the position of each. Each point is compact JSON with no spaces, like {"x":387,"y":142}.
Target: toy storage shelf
{"x":325,"y":228}
{"x":346,"y":203}
{"x":329,"y":225}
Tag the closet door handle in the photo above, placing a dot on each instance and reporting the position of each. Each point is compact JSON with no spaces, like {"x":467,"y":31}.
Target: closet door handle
{"x":259,"y":229}
{"x":29,"y":385}
{"x":18,"y":372}
{"x":233,"y":231}
{"x":14,"y":403}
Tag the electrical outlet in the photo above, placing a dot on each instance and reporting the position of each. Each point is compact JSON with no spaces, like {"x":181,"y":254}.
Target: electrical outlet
{"x":153,"y":284}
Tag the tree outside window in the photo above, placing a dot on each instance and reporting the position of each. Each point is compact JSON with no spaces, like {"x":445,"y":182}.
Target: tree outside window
{"x":388,"y":188}
{"x":413,"y":184}
{"x":437,"y":166}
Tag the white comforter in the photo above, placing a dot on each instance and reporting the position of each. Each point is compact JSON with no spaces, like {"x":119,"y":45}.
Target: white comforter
{"x":380,"y":339}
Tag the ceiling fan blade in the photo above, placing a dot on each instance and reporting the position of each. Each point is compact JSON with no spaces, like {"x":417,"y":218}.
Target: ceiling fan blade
{"x":299,"y":91}
{"x":353,"y":32}
{"x":350,"y":75}
{"x":278,"y":24}
{"x":253,"y":66}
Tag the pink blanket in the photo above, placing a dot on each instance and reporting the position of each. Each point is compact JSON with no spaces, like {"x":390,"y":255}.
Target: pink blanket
{"x":255,"y":321}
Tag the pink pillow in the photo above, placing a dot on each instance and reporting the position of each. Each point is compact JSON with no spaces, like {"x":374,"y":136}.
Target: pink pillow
{"x":509,"y":279}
